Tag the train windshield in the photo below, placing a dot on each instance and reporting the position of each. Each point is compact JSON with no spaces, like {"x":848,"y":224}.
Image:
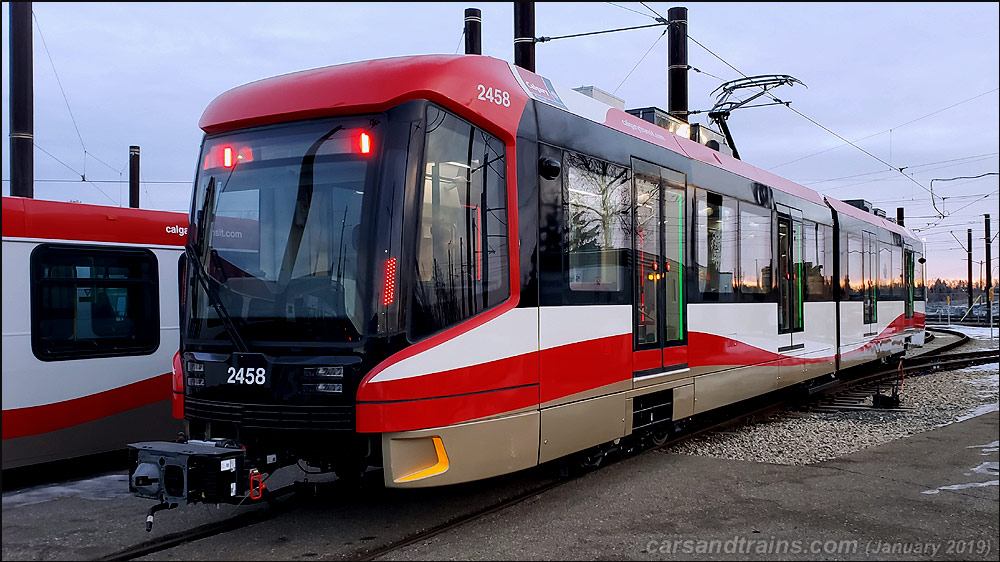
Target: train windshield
{"x":281,"y":232}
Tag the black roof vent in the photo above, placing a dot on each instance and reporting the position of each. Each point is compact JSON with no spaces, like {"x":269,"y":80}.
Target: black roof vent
{"x":865,"y":206}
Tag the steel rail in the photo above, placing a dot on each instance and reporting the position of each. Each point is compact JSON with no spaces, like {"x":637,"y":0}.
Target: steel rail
{"x":233,"y":523}
{"x":733,"y":415}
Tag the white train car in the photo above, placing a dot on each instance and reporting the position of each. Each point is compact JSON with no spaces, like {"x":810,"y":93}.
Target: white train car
{"x":90,"y":324}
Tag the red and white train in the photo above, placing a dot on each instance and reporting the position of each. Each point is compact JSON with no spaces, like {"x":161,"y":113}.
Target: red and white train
{"x":89,"y":327}
{"x":452,"y":268}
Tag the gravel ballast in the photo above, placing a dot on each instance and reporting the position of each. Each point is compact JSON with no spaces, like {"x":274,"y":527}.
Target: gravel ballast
{"x":798,"y":438}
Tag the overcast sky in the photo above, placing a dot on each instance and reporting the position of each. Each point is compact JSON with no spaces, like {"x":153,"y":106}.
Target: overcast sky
{"x":914,"y":86}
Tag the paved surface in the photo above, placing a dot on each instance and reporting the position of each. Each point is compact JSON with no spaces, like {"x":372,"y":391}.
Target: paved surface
{"x":929,"y":496}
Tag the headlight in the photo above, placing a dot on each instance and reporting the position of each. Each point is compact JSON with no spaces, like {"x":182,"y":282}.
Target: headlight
{"x":324,"y":372}
{"x":323,"y":387}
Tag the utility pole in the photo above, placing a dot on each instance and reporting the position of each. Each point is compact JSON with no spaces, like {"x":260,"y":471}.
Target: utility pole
{"x":22,"y":111}
{"x":677,"y":63}
{"x":133,"y":177}
{"x":970,"y":269}
{"x":989,"y":264}
{"x":524,"y":35}
{"x":473,"y":31}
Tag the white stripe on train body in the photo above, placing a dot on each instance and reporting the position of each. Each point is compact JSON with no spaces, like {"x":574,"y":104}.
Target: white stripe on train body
{"x":29,"y":381}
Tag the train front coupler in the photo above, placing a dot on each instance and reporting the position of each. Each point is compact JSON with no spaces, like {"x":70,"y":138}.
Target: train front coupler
{"x":193,"y":471}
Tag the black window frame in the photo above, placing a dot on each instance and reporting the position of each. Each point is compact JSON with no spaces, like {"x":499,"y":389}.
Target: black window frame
{"x":421,"y":326}
{"x":769,"y":295}
{"x":696,"y":283}
{"x":624,"y":267}
{"x":90,"y":348}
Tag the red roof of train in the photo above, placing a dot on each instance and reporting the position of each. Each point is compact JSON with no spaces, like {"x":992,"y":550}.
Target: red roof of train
{"x":452,"y":80}
{"x":57,"y":220}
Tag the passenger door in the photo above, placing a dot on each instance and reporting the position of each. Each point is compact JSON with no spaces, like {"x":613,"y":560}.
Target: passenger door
{"x":659,"y":330}
{"x":790,"y":279}
{"x":908,"y":281}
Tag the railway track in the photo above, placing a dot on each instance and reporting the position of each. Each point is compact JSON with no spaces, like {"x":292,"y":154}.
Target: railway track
{"x":837,"y":395}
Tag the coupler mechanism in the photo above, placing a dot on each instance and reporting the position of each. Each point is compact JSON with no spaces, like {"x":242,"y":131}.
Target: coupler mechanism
{"x":213,"y":471}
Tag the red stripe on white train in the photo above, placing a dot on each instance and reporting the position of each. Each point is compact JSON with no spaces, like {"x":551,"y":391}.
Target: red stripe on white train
{"x":410,"y":403}
{"x":35,"y":420}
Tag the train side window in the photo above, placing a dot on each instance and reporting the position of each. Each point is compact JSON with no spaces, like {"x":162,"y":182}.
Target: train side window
{"x":598,"y":201}
{"x":886,"y":286}
{"x":818,"y":251}
{"x":462,"y":249}
{"x":854,"y":286}
{"x":756,"y":278}
{"x":91,"y":301}
{"x":715,"y":245}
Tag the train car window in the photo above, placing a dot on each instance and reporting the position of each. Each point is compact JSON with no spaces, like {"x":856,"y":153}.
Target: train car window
{"x":899,"y":291}
{"x":673,"y":224}
{"x":715,"y":245}
{"x":89,"y":301}
{"x":462,"y":249}
{"x":598,"y":201}
{"x":648,"y":255}
{"x":854,"y":286}
{"x":871,"y":293}
{"x":756,"y":279}
{"x":886,"y":282}
{"x":818,"y":251}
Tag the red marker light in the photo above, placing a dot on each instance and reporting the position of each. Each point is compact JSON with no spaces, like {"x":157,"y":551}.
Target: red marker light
{"x":245,"y":154}
{"x":390,"y":282}
{"x":226,"y":156}
{"x":177,"y":382}
{"x":366,"y":143}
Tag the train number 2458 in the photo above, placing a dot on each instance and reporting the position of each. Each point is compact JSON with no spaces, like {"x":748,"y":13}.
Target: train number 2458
{"x":497,"y":96}
{"x":247,"y":376}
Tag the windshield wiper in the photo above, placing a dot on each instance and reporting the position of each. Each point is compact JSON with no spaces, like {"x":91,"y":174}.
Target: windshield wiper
{"x":303,"y":200}
{"x":207,"y":216}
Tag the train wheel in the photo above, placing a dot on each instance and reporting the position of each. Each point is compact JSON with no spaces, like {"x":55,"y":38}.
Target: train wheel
{"x":591,"y":460}
{"x":659,"y":438}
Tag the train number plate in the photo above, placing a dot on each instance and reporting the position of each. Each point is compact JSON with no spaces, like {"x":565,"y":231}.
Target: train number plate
{"x":244,"y":369}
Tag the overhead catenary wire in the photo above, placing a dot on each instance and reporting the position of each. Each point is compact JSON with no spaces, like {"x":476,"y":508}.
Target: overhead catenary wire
{"x":642,"y":58}
{"x":177,"y":182}
{"x":887,"y":130}
{"x":963,"y":160}
{"x":76,"y":127}
{"x":82,"y":177}
{"x":890,"y":167}
{"x":806,"y":117}
{"x":61,"y":89}
{"x":629,"y":9}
